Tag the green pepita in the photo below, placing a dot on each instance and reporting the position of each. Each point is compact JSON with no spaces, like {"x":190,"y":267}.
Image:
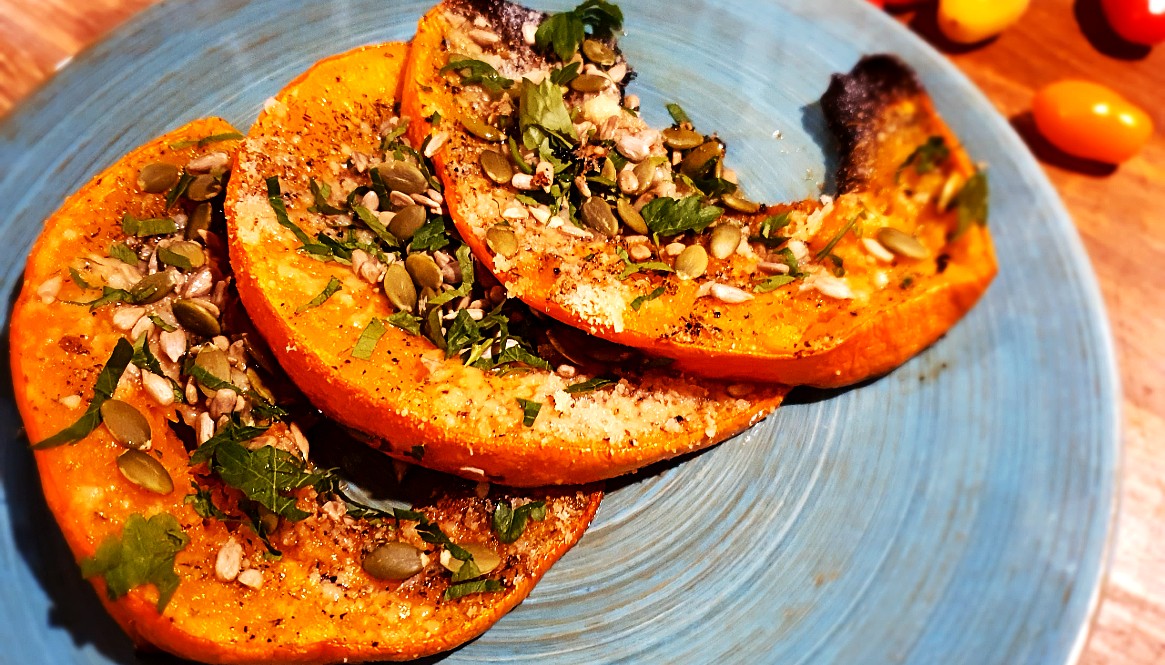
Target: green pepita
{"x":406,"y":222}
{"x":497,"y":167}
{"x":501,"y":240}
{"x":482,"y":130}
{"x":203,"y":188}
{"x":182,"y":254}
{"x":597,"y":215}
{"x":196,"y":318}
{"x":143,"y":470}
{"x":399,"y":288}
{"x":393,"y":561}
{"x":213,"y":361}
{"x":598,"y":52}
{"x":738,"y":203}
{"x":424,"y":271}
{"x":902,"y":244}
{"x":725,"y":239}
{"x":127,"y":425}
{"x":403,"y":176}
{"x":644,"y":175}
{"x":682,"y":139}
{"x":631,"y":216}
{"x":199,"y":221}
{"x":157,"y":178}
{"x":698,"y":159}
{"x":483,"y":557}
{"x":692,"y":262}
{"x":589,"y":83}
{"x":152,"y":288}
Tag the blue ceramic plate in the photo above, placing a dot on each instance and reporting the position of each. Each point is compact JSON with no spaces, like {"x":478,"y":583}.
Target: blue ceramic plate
{"x":955,"y":511}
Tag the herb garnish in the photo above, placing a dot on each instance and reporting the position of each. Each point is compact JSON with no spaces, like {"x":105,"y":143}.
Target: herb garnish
{"x":926,"y":156}
{"x":630,"y":267}
{"x":233,"y":431}
{"x":154,"y":226}
{"x":677,"y":114}
{"x":366,"y":344}
{"x":530,"y":410}
{"x":971,"y":203}
{"x":476,"y":586}
{"x":477,"y":72}
{"x":275,"y":199}
{"x":75,"y":275}
{"x":666,"y":216}
{"x":828,"y":249}
{"x":143,"y":554}
{"x":265,"y":475}
{"x":122,"y":252}
{"x":766,"y":234}
{"x":207,"y":140}
{"x":563,"y":32}
{"x":320,"y":193}
{"x":773,"y":283}
{"x":406,"y":322}
{"x":590,"y":385}
{"x":542,"y":113}
{"x":178,"y":189}
{"x":509,"y":523}
{"x":430,"y":237}
{"x":333,"y":286}
{"x":103,"y":389}
{"x":639,"y":300}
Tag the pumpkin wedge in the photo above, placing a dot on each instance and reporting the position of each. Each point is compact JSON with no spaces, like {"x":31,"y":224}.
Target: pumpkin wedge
{"x":416,"y":346}
{"x":605,"y":209}
{"x":171,"y":452}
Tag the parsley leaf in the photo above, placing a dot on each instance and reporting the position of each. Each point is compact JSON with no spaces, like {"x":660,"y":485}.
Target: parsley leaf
{"x":231,"y":432}
{"x":666,"y":216}
{"x":154,"y":226}
{"x":366,"y":344}
{"x":590,"y":385}
{"x":639,"y":300}
{"x":275,"y":199}
{"x":630,"y":267}
{"x":927,"y":156}
{"x":516,"y":355}
{"x":178,"y":189}
{"x":530,"y":410}
{"x":320,"y":193}
{"x":509,"y":523}
{"x":541,"y":111}
{"x":563,"y":32}
{"x":767,"y":233}
{"x":477,"y":72}
{"x":144,"y":554}
{"x":476,"y":586}
{"x":265,"y":475}
{"x":971,"y":203}
{"x":432,"y":236}
{"x":203,"y":503}
{"x":333,"y":286}
{"x":565,"y":74}
{"x":78,"y":279}
{"x":122,"y":252}
{"x":406,"y":322}
{"x":373,"y":222}
{"x":773,"y":283}
{"x":103,"y":389}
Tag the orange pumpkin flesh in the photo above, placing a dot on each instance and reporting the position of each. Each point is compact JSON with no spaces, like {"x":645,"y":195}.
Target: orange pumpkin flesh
{"x":468,"y":421}
{"x":795,"y":334}
{"x":316,"y":604}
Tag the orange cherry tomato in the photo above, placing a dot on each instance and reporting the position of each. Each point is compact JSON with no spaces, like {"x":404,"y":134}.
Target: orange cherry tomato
{"x":1090,"y":120}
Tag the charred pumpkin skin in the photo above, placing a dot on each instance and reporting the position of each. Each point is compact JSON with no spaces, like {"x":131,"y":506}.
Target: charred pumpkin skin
{"x":787,"y":335}
{"x":408,"y":394}
{"x":57,"y":350}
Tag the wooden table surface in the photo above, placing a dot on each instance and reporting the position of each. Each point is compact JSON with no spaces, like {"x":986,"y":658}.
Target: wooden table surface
{"x":1119,"y":212}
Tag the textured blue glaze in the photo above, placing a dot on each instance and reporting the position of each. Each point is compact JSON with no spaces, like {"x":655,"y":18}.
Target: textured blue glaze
{"x":955,"y":511}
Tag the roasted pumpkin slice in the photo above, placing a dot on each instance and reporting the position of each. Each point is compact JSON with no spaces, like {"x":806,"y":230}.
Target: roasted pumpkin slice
{"x":348,"y":266}
{"x":536,"y":136}
{"x":177,"y":463}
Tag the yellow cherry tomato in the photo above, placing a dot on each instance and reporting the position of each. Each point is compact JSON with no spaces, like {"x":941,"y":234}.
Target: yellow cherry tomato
{"x":1091,"y":120}
{"x":970,"y":21}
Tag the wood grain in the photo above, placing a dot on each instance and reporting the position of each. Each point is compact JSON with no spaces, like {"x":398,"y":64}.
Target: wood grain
{"x":1118,"y":212}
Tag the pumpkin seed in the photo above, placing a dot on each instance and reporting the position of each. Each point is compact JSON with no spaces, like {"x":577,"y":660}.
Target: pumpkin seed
{"x":424,"y":271}
{"x":393,"y":561}
{"x":496,"y":166}
{"x":501,"y":240}
{"x":199,"y":221}
{"x":127,"y":425}
{"x":692,"y":262}
{"x":203,"y":188}
{"x":406,"y":222}
{"x":596,"y":214}
{"x":482,"y":130}
{"x":696,"y":160}
{"x":398,"y":286}
{"x":608,"y":171}
{"x":190,"y":254}
{"x":738,"y":203}
{"x":725,"y":240}
{"x":902,"y":244}
{"x":483,"y":556}
{"x":143,"y":470}
{"x":682,"y":139}
{"x":152,"y":288}
{"x":403,"y":176}
{"x":157,"y":177}
{"x":197,"y":319}
{"x":598,"y":52}
{"x":213,"y":361}
{"x":631,"y":216}
{"x":644,"y":175}
{"x":589,"y":83}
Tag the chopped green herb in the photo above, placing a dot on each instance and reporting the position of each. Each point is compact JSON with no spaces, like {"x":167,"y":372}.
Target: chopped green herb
{"x":373,"y":222}
{"x":647,"y":297}
{"x":542,"y":112}
{"x":630,"y":267}
{"x":330,"y":290}
{"x":530,"y":410}
{"x":393,"y":135}
{"x":78,"y":279}
{"x":207,"y":140}
{"x":666,"y":216}
{"x":320,"y":193}
{"x":563,"y":32}
{"x":476,"y":586}
{"x":366,"y":344}
{"x":171,"y":258}
{"x":103,"y":389}
{"x":927,"y":156}
{"x":565,"y":74}
{"x":590,"y":385}
{"x":203,"y":503}
{"x":161,"y":323}
{"x":231,"y":432}
{"x":406,"y":322}
{"x":122,"y":252}
{"x":677,"y":114}
{"x":178,"y":189}
{"x":509,"y":523}
{"x":516,"y":355}
{"x":465,"y":265}
{"x":143,"y":554}
{"x":971,"y":203}
{"x":462,"y":332}
{"x":767,"y":233}
{"x":430,"y":237}
{"x":477,"y":72}
{"x":154,"y":226}
{"x":828,"y":249}
{"x":275,"y":199}
{"x":265,"y":475}
{"x":773,"y":283}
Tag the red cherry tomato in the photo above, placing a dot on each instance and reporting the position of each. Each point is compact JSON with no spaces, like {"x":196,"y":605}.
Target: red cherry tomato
{"x":880,"y":4}
{"x":1140,"y":21}
{"x":1091,"y":120}
{"x":902,"y":3}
